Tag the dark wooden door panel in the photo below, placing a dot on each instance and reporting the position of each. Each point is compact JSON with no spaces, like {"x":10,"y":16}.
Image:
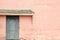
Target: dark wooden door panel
{"x":12,"y":27}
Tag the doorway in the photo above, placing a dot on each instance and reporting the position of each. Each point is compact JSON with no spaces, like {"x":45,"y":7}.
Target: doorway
{"x":12,"y":27}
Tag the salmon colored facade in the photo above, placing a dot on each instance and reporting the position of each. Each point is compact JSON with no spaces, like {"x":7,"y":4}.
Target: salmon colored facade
{"x":43,"y":25}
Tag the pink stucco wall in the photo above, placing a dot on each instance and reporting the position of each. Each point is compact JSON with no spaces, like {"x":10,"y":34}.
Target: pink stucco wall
{"x":26,"y":27}
{"x":2,"y":27}
{"x":46,"y":19}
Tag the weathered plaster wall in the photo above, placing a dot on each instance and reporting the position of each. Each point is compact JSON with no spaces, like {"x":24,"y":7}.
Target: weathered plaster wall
{"x":46,"y":20}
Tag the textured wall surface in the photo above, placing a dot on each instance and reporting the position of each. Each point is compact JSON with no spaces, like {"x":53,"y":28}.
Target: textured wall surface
{"x":46,"y":20}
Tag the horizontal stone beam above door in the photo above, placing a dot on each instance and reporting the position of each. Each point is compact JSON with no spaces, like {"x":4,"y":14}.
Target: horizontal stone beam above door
{"x":16,"y":12}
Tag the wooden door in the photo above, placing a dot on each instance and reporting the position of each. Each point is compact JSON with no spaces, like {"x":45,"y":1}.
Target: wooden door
{"x":12,"y":27}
